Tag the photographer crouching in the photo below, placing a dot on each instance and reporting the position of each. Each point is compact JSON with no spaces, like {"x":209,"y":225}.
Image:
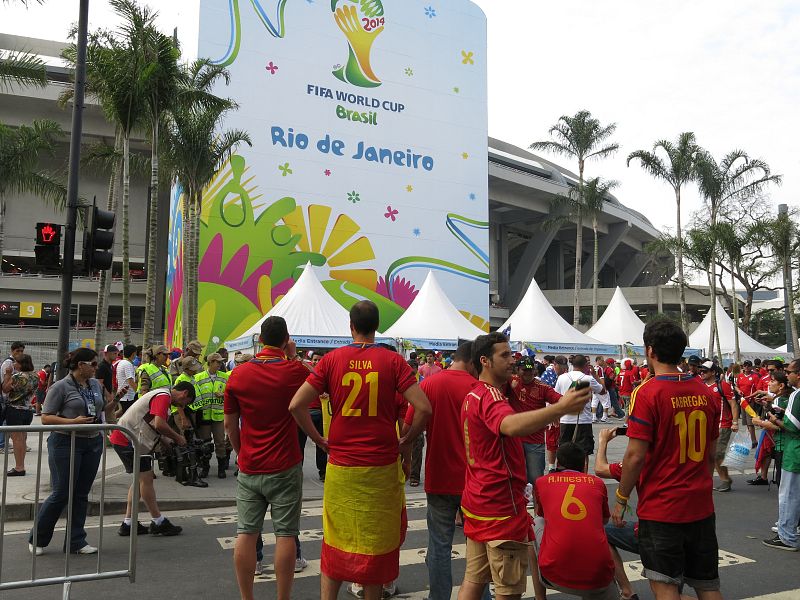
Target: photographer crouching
{"x":147,"y":419}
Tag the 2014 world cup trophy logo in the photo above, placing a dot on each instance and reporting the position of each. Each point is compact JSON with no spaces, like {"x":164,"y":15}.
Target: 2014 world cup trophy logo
{"x":361,"y":21}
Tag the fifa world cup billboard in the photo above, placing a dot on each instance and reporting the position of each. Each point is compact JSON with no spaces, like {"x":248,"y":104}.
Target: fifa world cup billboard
{"x":369,"y":159}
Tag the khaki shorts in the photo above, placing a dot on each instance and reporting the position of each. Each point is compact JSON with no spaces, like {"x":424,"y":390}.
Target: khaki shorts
{"x":503,"y":562}
{"x":281,"y":492}
{"x":722,"y":443}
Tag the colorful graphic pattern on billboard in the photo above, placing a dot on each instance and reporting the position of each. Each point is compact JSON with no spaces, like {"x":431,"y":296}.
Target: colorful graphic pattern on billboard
{"x":369,"y":159}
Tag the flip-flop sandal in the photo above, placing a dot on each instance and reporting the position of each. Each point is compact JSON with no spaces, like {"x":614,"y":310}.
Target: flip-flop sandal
{"x":414,"y":484}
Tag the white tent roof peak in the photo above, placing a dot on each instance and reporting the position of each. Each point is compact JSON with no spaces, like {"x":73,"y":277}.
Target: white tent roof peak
{"x":432,"y":316}
{"x":618,"y":324}
{"x":726,"y":328}
{"x":534,"y":320}
{"x":309,"y":310}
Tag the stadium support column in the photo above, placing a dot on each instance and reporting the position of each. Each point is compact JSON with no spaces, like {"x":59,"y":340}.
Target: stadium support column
{"x":72,"y":186}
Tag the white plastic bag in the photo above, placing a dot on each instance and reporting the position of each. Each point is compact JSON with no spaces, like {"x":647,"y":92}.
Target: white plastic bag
{"x":737,"y":457}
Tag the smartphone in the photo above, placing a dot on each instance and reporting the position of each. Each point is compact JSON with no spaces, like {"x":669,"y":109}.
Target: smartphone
{"x":622,"y":430}
{"x":581,"y":385}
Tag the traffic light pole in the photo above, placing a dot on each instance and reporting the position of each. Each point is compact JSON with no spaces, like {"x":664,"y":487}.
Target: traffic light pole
{"x":72,"y":187}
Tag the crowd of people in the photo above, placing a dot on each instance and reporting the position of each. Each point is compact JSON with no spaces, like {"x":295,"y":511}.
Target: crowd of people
{"x":509,"y":442}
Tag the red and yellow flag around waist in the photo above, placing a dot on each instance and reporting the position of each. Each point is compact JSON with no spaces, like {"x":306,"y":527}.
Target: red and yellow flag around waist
{"x":746,"y":408}
{"x":364,"y":523}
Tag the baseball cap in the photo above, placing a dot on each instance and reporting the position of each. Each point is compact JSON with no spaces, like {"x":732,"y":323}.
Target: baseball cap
{"x":214,"y":356}
{"x":111,"y":348}
{"x":159,"y":349}
{"x":708,"y":365}
{"x":610,"y":361}
{"x":190,"y":363}
{"x":693,"y":360}
{"x":526,"y":364}
{"x":194,"y":347}
{"x":120,"y":345}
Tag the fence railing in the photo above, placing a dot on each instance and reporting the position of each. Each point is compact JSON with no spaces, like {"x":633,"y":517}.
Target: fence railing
{"x":68,"y":579}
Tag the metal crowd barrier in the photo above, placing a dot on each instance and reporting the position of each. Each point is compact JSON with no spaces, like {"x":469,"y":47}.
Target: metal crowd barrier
{"x":67,"y":580}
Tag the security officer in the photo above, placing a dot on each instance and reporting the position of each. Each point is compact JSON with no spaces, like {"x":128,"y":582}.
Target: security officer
{"x":211,"y":387}
{"x":183,"y":418}
{"x":154,"y":374}
{"x":193,"y":349}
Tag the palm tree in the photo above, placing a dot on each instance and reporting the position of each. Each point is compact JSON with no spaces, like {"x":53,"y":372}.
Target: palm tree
{"x":195,"y":151}
{"x":581,"y":137}
{"x":731,"y":243}
{"x":784,"y":241}
{"x":677,"y":171}
{"x":20,"y":150}
{"x":736,"y":177}
{"x":19,"y":68}
{"x":569,"y":207}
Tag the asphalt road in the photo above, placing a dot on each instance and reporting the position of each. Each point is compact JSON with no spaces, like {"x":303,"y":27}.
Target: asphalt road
{"x":198,"y":563}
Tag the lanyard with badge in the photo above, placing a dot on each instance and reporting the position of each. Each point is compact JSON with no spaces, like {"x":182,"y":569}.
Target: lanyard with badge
{"x":88,"y":399}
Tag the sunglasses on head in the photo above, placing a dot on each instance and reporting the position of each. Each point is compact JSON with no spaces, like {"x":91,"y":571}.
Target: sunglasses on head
{"x":91,"y":364}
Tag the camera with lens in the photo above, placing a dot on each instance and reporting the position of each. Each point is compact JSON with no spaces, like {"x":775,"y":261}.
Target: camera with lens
{"x":186,"y":462}
{"x":775,"y":411}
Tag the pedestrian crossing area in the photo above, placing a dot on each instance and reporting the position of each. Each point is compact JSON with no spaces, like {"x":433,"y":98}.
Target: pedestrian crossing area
{"x":412,"y":584}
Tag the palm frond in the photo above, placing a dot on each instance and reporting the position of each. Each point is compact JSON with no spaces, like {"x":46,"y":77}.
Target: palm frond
{"x":21,"y":69}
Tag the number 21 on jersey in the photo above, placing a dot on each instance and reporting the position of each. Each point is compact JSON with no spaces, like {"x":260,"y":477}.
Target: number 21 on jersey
{"x":355,"y":382}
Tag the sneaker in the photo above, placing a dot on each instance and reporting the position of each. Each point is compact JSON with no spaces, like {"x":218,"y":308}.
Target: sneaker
{"x":300,"y":564}
{"x":125,"y":529}
{"x":38,"y":550}
{"x":259,"y":568}
{"x":87,"y":549}
{"x":724,"y":486}
{"x":774,"y":528}
{"x":757,"y":481}
{"x":530,"y":504}
{"x":604,"y":420}
{"x":594,"y":420}
{"x":389,"y":590}
{"x":166,"y":528}
{"x":631,"y":597}
{"x":777,"y":543}
{"x":355,"y":589}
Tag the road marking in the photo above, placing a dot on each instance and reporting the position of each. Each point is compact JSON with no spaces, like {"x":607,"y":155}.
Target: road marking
{"x":306,"y":512}
{"x":787,"y":595}
{"x":309,"y":535}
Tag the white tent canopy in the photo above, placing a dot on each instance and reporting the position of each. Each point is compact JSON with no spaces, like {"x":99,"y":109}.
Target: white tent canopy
{"x":748,"y":347}
{"x":618,"y":324}
{"x":431,"y":316}
{"x":534,"y":320}
{"x":784,"y":347}
{"x":309,"y":310}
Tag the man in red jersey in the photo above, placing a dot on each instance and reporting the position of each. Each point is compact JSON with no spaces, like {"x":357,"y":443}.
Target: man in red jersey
{"x":672,"y":433}
{"x":626,"y":381}
{"x":746,"y":382}
{"x":729,"y":419}
{"x":496,"y":523}
{"x":363,"y":518}
{"x":264,"y":436}
{"x":429,"y":367}
{"x":571,"y":546}
{"x":525,"y":393}
{"x":445,"y":464}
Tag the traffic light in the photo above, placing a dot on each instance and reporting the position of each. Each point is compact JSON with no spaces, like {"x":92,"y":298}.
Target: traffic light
{"x":48,"y":245}
{"x":98,"y":241}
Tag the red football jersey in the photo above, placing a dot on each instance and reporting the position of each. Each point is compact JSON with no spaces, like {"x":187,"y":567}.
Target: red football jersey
{"x":363,"y":381}
{"x":260,"y":391}
{"x":574,"y":550}
{"x":445,"y":462}
{"x":747,"y":383}
{"x":726,"y":416}
{"x":763,"y":383}
{"x":625,"y":383}
{"x":679,"y":418}
{"x":494,"y":501}
{"x":533,"y":396}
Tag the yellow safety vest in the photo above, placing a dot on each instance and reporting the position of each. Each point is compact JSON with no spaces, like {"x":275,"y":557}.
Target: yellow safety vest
{"x":209,"y":388}
{"x":158,"y":377}
{"x":197,"y":404}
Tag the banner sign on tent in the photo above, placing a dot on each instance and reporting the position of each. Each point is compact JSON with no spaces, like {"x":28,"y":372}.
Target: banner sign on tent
{"x":428,"y":344}
{"x":302,"y":341}
{"x":556,"y":348}
{"x":639,"y":351}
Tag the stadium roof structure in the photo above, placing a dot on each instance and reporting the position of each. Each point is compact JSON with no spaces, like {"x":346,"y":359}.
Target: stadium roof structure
{"x":618,"y":324}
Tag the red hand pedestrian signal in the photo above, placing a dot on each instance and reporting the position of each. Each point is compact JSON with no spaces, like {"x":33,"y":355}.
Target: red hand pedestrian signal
{"x":48,"y":233}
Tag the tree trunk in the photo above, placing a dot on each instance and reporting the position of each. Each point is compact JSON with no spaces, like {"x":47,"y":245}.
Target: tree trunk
{"x":576,"y":301}
{"x":187,"y":251}
{"x":735,"y":315}
{"x":2,"y":230}
{"x":595,"y":267}
{"x":712,"y":312}
{"x":104,"y":287}
{"x":152,"y":228}
{"x":789,"y":299}
{"x":748,"y":311}
{"x":126,"y":266}
{"x":198,"y":206}
{"x":679,"y":264}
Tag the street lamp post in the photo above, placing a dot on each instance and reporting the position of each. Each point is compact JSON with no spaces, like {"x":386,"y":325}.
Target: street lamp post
{"x":72,"y":186}
{"x":788,"y":313}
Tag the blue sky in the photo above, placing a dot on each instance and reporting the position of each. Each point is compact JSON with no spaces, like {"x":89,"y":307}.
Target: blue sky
{"x":726,"y":70}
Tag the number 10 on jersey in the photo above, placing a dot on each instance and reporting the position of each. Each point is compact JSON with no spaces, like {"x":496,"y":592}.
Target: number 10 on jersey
{"x":355,"y":382}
